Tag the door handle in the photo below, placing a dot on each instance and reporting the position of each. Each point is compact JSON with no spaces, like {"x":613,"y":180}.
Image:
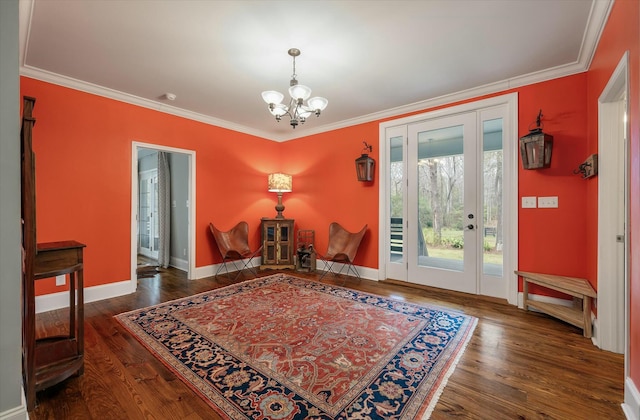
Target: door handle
{"x":470,"y":227}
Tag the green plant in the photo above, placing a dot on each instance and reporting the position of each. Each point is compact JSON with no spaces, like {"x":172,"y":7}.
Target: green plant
{"x":455,"y":243}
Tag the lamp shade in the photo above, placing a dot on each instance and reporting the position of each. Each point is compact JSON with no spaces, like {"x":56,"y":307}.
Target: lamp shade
{"x":272,"y":97}
{"x":279,"y":182}
{"x":304,"y":112}
{"x":300,"y":92}
{"x":279,"y":110}
{"x":317,"y":103}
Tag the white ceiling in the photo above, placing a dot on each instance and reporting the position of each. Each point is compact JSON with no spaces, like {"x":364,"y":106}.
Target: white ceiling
{"x":370,"y":59}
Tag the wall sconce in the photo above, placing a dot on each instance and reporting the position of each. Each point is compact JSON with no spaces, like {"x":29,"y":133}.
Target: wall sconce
{"x":536,"y":147}
{"x":589,"y":167}
{"x":365,"y":164}
{"x":280,"y":183}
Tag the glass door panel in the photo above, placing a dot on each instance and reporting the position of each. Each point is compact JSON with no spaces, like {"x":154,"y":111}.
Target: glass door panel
{"x":441,"y":198}
{"x":442,"y":203}
{"x":492,"y":156}
{"x":396,"y":251}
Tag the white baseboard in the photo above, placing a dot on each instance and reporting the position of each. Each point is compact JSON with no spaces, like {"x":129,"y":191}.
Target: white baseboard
{"x":16,"y":413}
{"x":365,"y":272}
{"x":546,"y":299}
{"x":594,"y":332}
{"x":53,"y":301}
{"x":60,"y":300}
{"x":179,"y":263}
{"x":210,"y":270}
{"x":631,"y":405}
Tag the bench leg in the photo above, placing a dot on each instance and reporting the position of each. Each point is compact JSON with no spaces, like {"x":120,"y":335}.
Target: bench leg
{"x":586,"y":313}
{"x":525,"y":293}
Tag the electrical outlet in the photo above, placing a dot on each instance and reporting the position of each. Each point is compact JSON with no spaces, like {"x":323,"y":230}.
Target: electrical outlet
{"x":528,"y":202}
{"x":61,"y":280}
{"x":548,"y":202}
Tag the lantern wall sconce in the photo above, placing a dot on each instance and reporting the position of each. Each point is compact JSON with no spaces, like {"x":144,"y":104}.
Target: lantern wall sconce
{"x":365,"y":165}
{"x":536,"y":147}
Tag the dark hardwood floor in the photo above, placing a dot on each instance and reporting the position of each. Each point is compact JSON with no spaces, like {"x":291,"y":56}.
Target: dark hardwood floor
{"x":518,"y":365}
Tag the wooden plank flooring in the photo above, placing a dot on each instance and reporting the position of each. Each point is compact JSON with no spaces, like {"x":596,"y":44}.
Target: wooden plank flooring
{"x":518,"y":365}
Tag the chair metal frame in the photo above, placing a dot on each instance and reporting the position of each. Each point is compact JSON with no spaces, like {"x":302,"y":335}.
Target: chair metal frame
{"x":234,"y":246}
{"x":342,"y":248}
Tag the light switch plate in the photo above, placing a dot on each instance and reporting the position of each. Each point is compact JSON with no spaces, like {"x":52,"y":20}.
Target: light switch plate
{"x":548,"y":202}
{"x":528,"y":202}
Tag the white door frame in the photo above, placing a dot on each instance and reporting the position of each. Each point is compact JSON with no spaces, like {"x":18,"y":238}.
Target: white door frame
{"x":510,"y":171}
{"x":613,"y":175}
{"x":191,"y":154}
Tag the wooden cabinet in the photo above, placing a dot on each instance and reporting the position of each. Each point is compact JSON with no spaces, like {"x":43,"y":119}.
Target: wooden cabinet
{"x":52,"y":359}
{"x":277,"y":242}
{"x":55,"y":358}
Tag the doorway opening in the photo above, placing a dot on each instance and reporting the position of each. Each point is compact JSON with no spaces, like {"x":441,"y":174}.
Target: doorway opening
{"x":162,"y":210}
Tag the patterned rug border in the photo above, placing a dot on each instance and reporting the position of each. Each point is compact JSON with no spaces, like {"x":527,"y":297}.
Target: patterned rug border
{"x":183,"y":374}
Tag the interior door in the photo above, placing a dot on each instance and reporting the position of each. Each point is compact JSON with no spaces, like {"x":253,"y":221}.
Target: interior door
{"x":442,"y":203}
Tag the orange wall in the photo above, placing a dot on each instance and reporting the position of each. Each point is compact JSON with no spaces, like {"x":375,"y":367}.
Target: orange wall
{"x":83,"y":177}
{"x":326,"y":188}
{"x":622,"y":33}
{"x":83,"y":143}
{"x":554,"y":240}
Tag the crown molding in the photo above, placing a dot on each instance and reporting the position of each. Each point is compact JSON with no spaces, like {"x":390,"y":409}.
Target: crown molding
{"x":488,"y":89}
{"x":69,"y":82}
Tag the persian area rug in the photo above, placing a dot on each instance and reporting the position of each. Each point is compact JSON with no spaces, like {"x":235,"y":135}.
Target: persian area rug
{"x":283,"y":347}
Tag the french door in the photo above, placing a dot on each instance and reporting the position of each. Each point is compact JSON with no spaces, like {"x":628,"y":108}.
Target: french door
{"x":445,"y":211}
{"x":148,"y":229}
{"x":442,"y":203}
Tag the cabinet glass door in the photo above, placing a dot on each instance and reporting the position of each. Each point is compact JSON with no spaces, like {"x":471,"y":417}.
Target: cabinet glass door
{"x":270,"y":244}
{"x":284,"y":244}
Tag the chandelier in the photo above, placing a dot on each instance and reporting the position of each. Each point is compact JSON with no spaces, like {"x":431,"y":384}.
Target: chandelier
{"x":297,"y":110}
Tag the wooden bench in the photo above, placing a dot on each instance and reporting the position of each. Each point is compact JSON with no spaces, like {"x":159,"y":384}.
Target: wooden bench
{"x":578,"y":315}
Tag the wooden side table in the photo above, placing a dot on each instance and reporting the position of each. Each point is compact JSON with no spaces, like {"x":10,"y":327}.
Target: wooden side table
{"x":50,"y":360}
{"x":277,"y":243}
